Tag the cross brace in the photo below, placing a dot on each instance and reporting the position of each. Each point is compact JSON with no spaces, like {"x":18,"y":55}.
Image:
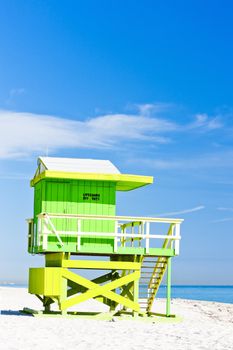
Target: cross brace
{"x":95,"y":290}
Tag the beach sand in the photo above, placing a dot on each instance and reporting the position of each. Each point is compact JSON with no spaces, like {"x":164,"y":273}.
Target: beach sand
{"x":205,"y":325}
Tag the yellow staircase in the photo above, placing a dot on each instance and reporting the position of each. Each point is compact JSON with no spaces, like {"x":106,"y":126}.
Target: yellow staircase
{"x":152,"y":272}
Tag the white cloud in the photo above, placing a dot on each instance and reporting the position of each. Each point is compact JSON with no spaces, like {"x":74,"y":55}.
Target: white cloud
{"x":205,"y":161}
{"x":204,"y":122}
{"x":225,"y":209}
{"x":153,"y":108}
{"x":184,"y":211}
{"x":201,"y":121}
{"x":221,"y":220}
{"x":13,"y":93}
{"x":21,"y":134}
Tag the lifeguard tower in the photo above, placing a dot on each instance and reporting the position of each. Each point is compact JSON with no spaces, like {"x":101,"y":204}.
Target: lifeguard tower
{"x":75,"y":216}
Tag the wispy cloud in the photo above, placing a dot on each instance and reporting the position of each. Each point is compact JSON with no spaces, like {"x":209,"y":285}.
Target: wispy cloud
{"x":184,"y":211}
{"x":203,"y":121}
{"x":205,"y":161}
{"x":153,"y":108}
{"x":199,"y":122}
{"x":225,"y":209}
{"x":221,"y":220}
{"x":21,"y":134}
{"x":13,"y":93}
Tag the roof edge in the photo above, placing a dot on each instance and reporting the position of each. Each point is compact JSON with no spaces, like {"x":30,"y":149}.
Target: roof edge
{"x":125,"y":182}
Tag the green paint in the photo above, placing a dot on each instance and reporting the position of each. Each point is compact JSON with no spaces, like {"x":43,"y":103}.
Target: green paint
{"x":79,"y":197}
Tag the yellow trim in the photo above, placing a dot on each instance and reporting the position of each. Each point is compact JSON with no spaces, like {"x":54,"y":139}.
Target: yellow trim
{"x":124,"y":182}
{"x":102,"y":265}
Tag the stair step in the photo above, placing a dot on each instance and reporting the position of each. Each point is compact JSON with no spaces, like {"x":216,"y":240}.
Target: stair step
{"x":151,"y":266}
{"x":144,"y":295}
{"x":147,"y":273}
{"x":153,"y":262}
{"x":154,"y":280}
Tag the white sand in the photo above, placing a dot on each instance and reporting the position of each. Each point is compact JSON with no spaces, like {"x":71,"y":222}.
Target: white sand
{"x":205,"y":325}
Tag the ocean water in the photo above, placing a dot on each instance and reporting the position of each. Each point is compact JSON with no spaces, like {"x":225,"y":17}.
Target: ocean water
{"x":222,"y":294}
{"x":13,"y":285}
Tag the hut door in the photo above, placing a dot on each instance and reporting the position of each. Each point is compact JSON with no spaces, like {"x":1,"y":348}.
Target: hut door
{"x":58,"y":202}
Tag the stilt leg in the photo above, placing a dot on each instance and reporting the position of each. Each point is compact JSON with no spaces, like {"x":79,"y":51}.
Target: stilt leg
{"x":113,"y":304}
{"x":64,"y":294}
{"x":46,"y":305}
{"x":168,"y":303}
{"x":135,"y":294}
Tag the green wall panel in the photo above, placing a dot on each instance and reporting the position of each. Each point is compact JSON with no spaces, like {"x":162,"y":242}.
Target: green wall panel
{"x":80,"y":197}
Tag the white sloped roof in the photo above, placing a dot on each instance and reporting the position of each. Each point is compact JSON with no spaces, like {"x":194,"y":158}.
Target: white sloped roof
{"x":78,"y":165}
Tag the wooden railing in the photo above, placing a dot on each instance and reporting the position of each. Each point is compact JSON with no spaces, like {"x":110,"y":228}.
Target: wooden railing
{"x":135,"y":231}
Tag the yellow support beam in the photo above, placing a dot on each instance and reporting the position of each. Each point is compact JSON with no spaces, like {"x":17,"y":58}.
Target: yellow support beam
{"x":101,"y":265}
{"x":96,"y":290}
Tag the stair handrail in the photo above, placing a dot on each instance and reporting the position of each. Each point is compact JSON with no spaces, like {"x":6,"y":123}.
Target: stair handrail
{"x":165,"y":243}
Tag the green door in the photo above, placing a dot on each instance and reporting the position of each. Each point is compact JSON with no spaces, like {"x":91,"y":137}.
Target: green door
{"x":57,"y":201}
{"x":94,"y":198}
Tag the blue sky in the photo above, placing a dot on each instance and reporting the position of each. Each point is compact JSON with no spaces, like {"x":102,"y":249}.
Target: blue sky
{"x":146,"y":84}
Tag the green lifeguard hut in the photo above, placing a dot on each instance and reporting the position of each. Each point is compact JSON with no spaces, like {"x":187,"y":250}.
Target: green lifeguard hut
{"x":75,"y":216}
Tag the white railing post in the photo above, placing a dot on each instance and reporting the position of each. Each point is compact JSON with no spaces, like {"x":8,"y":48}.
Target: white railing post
{"x":147,"y":237}
{"x":132,"y":233}
{"x":177,"y":241}
{"x":123,"y":238}
{"x":39,"y":229}
{"x":143,"y":230}
{"x":44,"y":234}
{"x":79,"y":235}
{"x":139,"y":232}
{"x":45,"y":240}
{"x":115,"y":236}
{"x":172,"y":241}
{"x":34,"y":233}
